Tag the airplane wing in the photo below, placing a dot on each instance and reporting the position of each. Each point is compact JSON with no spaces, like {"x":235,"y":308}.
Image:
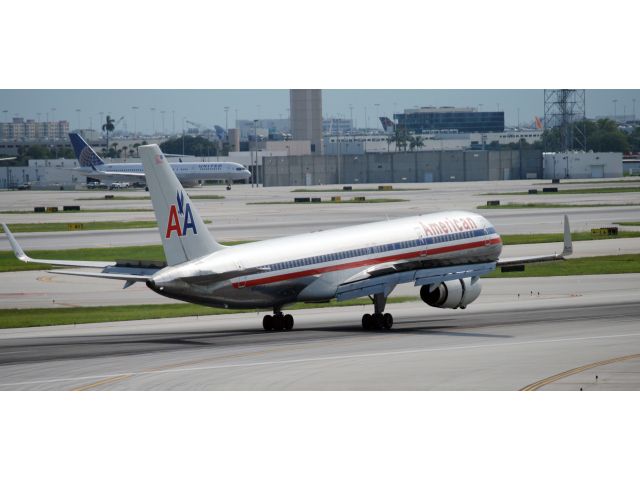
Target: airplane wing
{"x":567,"y":250}
{"x":110,"y":270}
{"x":383,"y":278}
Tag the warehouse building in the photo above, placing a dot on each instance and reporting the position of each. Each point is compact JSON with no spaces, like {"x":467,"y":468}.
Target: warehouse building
{"x":402,"y":167}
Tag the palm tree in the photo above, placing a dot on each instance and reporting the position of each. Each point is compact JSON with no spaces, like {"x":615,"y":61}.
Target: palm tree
{"x":415,"y":142}
{"x":108,"y":127}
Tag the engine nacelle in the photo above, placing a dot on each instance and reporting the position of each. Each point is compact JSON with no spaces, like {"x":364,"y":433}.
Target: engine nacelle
{"x":452,"y":294}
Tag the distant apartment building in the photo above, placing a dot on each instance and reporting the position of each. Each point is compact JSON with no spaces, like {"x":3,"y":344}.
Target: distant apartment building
{"x":449,"y":119}
{"x":306,"y":117}
{"x":21,"y":130}
{"x":263,"y":128}
{"x":336,"y":126}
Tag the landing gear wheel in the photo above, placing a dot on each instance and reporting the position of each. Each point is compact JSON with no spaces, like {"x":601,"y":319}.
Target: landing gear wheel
{"x":228,"y":187}
{"x":387,"y":321}
{"x":267,"y":322}
{"x":377,"y":320}
{"x":288,"y":322}
{"x":367,"y":324}
{"x":278,"y":322}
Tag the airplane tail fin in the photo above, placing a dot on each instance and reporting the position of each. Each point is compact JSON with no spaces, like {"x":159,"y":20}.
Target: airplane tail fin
{"x":184,"y":234}
{"x":538,"y":123}
{"x":86,"y":156}
{"x":387,"y":124}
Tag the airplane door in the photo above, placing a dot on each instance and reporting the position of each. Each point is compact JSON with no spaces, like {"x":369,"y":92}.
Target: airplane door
{"x":486,"y":237}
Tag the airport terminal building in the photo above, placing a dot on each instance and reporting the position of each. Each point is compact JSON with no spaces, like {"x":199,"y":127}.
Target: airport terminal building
{"x":458,"y":120}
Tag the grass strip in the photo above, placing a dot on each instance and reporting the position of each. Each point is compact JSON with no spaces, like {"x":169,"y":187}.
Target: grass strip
{"x":64,"y":227}
{"x":521,"y":239}
{"x":336,"y":190}
{"x":555,"y":205}
{"x":97,"y":210}
{"x":628,"y":224}
{"x":39,"y":317}
{"x":589,"y":182}
{"x":605,"y":265}
{"x":146,"y":197}
{"x":329,"y":202}
{"x":575,"y":191}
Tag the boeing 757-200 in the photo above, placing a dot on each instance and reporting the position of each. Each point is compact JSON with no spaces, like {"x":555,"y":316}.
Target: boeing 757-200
{"x":444,"y":254}
{"x":189,"y":173}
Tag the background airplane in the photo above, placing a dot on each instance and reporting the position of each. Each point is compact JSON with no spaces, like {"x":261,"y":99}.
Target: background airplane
{"x":189,"y":173}
{"x":442,"y":253}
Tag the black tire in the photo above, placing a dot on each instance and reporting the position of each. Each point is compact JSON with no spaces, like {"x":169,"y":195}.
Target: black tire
{"x":228,"y":187}
{"x":267,"y":322}
{"x":387,"y":321}
{"x":278,"y":322}
{"x":377,"y":320}
{"x":288,"y":322}
{"x":366,"y":321}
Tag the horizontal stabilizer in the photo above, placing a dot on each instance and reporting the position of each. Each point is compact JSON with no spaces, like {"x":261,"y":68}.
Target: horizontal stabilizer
{"x":110,"y":276}
{"x":23,"y":257}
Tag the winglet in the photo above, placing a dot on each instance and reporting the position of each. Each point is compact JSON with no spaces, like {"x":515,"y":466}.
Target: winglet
{"x":17,"y":249}
{"x":568,"y":244}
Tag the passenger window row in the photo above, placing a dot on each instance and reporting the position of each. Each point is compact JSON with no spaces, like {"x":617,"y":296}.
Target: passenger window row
{"x":303,"y":262}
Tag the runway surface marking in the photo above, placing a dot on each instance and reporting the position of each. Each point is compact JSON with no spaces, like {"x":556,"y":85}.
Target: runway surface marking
{"x":317,"y":359}
{"x":573,"y":371}
{"x":176,"y":366}
{"x":101,"y":382}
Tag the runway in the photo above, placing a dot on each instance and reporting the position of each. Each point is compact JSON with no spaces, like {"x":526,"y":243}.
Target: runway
{"x":503,"y":344}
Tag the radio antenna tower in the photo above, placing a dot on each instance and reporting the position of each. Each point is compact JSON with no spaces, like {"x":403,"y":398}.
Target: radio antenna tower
{"x":566,"y":110}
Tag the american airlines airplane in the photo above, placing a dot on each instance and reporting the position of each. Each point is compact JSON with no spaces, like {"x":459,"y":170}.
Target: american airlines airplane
{"x":444,"y":254}
{"x":189,"y":173}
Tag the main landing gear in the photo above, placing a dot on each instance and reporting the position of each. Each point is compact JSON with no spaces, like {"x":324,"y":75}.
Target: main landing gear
{"x":228,"y":186}
{"x":379,"y":320}
{"x":277,"y":321}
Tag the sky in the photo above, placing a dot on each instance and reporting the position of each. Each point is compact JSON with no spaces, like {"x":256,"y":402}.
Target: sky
{"x":206,"y":107}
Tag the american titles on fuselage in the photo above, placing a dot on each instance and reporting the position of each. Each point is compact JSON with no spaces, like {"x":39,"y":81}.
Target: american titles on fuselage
{"x":449,"y":225}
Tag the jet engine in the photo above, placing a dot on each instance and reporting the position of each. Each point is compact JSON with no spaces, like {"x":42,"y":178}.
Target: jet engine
{"x":452,"y":294}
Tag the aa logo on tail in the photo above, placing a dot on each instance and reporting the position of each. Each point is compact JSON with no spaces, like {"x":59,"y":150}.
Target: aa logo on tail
{"x":182,"y":210}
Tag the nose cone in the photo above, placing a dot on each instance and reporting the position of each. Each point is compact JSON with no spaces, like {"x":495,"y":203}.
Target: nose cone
{"x":246,"y":174}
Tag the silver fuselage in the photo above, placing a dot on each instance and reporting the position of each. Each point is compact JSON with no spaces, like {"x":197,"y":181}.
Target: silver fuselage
{"x":310,"y":267}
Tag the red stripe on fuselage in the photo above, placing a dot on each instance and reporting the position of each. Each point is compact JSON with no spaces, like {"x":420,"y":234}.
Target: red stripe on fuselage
{"x":362,"y":263}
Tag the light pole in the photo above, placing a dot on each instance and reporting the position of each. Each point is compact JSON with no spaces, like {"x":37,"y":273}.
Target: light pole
{"x":173,"y":122}
{"x":135,"y":120}
{"x":377,"y":105}
{"x":226,"y":118}
{"x":162,"y":112}
{"x":153,"y":120}
{"x":255,"y":148}
{"x":351,"y":115}
{"x":78,"y":112}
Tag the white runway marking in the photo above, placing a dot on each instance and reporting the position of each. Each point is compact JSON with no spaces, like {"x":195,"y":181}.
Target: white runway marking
{"x":316,"y":359}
